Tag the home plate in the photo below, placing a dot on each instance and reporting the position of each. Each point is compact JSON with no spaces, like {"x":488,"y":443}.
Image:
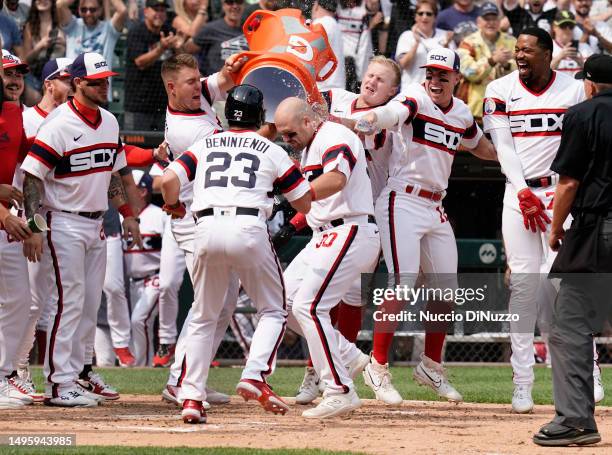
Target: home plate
{"x":148,"y":417}
{"x":194,"y":429}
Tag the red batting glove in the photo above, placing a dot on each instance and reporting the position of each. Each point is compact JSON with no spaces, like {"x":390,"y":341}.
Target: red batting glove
{"x":533,"y":210}
{"x":176,"y":211}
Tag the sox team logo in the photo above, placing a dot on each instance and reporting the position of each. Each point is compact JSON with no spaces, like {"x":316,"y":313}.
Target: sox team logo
{"x":433,"y":132}
{"x":92,"y":159}
{"x":546,"y":122}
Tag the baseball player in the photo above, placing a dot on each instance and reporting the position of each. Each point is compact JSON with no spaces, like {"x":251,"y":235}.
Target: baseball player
{"x":56,"y":89}
{"x":190,"y":117}
{"x":142,"y":266}
{"x":77,"y":151}
{"x":237,"y":167}
{"x":14,"y":288}
{"x":430,"y":126}
{"x":13,"y":78}
{"x":523,"y":112}
{"x":380,"y":84}
{"x":345,"y":243}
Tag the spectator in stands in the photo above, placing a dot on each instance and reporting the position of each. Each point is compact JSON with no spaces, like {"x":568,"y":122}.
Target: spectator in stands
{"x":602,"y":11}
{"x":13,"y":77}
{"x":89,"y":33}
{"x":191,"y":15}
{"x":513,"y":13}
{"x":18,"y":11}
{"x":323,"y":12}
{"x":456,"y":16}
{"x":220,"y":38}
{"x":10,"y":36}
{"x":485,"y":56}
{"x":534,"y":15}
{"x":42,"y":39}
{"x":568,"y":54}
{"x":356,"y":28}
{"x":149,"y":43}
{"x":413,"y":45}
{"x":596,"y":34}
{"x":271,"y":5}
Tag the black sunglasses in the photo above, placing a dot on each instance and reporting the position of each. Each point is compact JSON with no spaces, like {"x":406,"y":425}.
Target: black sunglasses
{"x":425,"y":13}
{"x":233,"y":2}
{"x":88,"y":10}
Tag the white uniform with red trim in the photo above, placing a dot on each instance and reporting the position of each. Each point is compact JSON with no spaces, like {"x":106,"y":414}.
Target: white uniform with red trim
{"x":535,"y":121}
{"x":415,"y":231}
{"x":142,"y":267}
{"x":74,"y":158}
{"x":234,"y":174}
{"x":345,"y":243}
{"x":183,"y":129}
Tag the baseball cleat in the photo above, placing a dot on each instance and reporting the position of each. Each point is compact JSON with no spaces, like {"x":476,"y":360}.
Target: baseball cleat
{"x":334,"y":405}
{"x":378,"y":378}
{"x":431,"y":374}
{"x":71,"y":397}
{"x":164,"y":356}
{"x":94,"y":384}
{"x":27,"y":385}
{"x":309,"y":390}
{"x":8,"y":400}
{"x":250,"y":389}
{"x":18,"y":389}
{"x":358,"y":365}
{"x":170,"y":395}
{"x":193,"y":412}
{"x":522,"y":403}
{"x":125,"y":357}
{"x":214,"y":397}
{"x":599,"y":393}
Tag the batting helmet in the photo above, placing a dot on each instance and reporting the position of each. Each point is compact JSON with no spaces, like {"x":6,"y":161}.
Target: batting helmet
{"x":244,"y":106}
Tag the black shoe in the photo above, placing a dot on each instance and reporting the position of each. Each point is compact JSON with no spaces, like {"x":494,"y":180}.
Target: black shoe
{"x":555,"y":435}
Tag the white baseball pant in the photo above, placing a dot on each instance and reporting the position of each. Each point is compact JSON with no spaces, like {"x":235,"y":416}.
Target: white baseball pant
{"x":14,"y":298}
{"x":118,"y":310}
{"x":239,"y":244}
{"x":77,"y":248}
{"x":336,"y":258}
{"x":144,"y":294}
{"x":105,"y":356}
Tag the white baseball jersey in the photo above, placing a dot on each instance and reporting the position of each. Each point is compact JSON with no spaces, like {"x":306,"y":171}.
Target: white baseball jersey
{"x":343,"y":103}
{"x":238,"y":169}
{"x":335,"y":147}
{"x":75,"y":159}
{"x":534,"y":119}
{"x":429,"y":139}
{"x":32,"y":119}
{"x":140,"y":263}
{"x":184,"y":129}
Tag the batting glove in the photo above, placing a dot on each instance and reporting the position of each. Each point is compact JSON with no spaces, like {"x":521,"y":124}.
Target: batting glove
{"x":176,"y":210}
{"x":282,"y":237}
{"x":533,"y":210}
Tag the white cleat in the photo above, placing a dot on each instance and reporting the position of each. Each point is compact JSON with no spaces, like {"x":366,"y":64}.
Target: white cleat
{"x":378,"y":378}
{"x":432,"y":375}
{"x":598,"y":388}
{"x":170,"y":395}
{"x":522,"y":403}
{"x":16,"y":389}
{"x":358,"y":365}
{"x":214,"y":397}
{"x":73,"y":397}
{"x":310,"y":388}
{"x":7,"y":398}
{"x":334,"y":405}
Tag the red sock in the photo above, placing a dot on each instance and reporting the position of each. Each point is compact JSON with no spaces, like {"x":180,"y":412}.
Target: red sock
{"x":349,"y":321}
{"x":381,"y":342}
{"x":309,"y":363}
{"x":433,"y":346}
{"x":384,"y":330}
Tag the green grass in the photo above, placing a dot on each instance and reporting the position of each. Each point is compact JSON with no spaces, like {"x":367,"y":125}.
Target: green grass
{"x":119,"y":450}
{"x":480,"y":384}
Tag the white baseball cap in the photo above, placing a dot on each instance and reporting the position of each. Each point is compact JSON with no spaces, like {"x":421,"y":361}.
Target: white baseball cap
{"x":12,"y":61}
{"x":90,"y":65}
{"x":443,"y":59}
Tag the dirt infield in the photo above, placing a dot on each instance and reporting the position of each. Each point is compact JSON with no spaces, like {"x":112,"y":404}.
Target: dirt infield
{"x":433,"y":427}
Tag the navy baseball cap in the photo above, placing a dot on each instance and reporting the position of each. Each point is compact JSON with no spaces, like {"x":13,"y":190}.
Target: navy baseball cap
{"x":143,"y":180}
{"x":443,"y":58}
{"x":56,"y":68}
{"x":488,"y":8}
{"x":90,"y":65}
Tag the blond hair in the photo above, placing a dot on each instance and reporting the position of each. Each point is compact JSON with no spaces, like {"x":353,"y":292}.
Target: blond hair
{"x":391,"y":64}
{"x":175,"y":63}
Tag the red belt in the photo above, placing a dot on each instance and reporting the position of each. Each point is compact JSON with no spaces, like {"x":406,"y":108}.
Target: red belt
{"x":431,"y":195}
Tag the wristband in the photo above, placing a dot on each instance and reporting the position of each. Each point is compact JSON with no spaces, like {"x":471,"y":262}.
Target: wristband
{"x":313,"y":194}
{"x":126,"y":211}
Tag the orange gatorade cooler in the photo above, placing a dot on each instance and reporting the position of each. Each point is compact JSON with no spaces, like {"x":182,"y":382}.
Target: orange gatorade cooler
{"x":287,"y":56}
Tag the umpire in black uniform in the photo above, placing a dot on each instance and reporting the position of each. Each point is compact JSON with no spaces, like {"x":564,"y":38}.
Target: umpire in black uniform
{"x":584,"y":302}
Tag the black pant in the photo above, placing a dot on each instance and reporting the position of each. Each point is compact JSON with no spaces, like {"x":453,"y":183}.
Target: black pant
{"x":583,"y":306}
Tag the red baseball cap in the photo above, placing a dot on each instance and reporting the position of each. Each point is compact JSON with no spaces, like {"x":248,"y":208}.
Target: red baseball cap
{"x":12,"y":61}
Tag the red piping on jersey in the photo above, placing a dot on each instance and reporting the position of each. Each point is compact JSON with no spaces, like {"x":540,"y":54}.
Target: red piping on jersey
{"x":538,"y":111}
{"x":83,"y":112}
{"x":313,"y":167}
{"x":546,"y":87}
{"x":41,"y":112}
{"x":194,"y":113}
{"x":354,"y":107}
{"x":447,"y":108}
{"x":537,"y":133}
